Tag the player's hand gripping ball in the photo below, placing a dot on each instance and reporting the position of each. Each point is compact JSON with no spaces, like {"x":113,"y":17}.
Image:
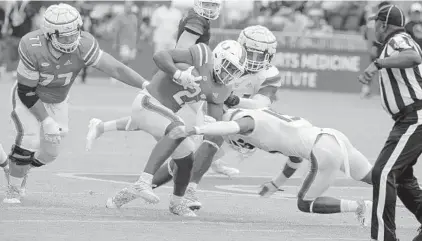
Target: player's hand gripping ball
{"x":186,"y":78}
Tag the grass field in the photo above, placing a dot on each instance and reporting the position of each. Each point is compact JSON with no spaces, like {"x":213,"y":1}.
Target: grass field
{"x":66,"y":200}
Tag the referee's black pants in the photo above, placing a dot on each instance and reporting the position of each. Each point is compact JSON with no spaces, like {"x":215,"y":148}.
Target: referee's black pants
{"x":392,"y":176}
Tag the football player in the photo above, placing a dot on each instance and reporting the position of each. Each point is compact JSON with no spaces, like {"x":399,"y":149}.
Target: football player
{"x":327,"y":150}
{"x":154,"y":111}
{"x":257,"y":88}
{"x":50,"y":60}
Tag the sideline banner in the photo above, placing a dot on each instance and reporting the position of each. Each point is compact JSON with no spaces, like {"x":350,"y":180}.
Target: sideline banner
{"x":328,"y":63}
{"x":323,"y":63}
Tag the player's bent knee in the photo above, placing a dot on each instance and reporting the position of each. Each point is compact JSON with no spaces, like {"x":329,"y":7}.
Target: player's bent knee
{"x":21,"y":160}
{"x":172,"y":125}
{"x":184,"y":149}
{"x":48,"y":152}
{"x":21,"y":156}
{"x":215,"y":141}
{"x":304,"y":205}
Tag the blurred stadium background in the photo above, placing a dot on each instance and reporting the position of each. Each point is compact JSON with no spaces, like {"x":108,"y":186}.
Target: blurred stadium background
{"x":322,"y":47}
{"x":322,"y":44}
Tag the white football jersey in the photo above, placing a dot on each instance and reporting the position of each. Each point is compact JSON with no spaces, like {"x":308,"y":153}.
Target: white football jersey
{"x":274,"y":132}
{"x":248,"y":85}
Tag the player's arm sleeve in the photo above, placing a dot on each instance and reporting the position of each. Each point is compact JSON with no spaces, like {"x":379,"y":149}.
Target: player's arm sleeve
{"x":186,"y":40}
{"x":201,"y":54}
{"x":28,"y":78}
{"x":222,"y":128}
{"x":91,"y":52}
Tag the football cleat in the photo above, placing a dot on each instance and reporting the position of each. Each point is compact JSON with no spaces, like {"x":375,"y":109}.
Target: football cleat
{"x":218,"y":167}
{"x":144,"y":190}
{"x":13,"y":195}
{"x":191,"y":200}
{"x":364,"y":212}
{"x":93,"y":132}
{"x":121,"y":198}
{"x":181,"y":209}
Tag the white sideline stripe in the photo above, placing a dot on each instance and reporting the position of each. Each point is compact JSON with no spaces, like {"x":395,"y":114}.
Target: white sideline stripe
{"x":74,"y":175}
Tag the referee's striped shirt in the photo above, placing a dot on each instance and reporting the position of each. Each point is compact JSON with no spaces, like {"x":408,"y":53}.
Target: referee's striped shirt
{"x":400,"y":87}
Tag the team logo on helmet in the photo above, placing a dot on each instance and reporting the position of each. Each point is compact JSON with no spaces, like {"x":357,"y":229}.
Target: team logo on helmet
{"x":229,"y":61}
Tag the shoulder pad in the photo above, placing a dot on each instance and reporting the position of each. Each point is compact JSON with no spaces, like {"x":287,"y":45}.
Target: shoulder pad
{"x":29,"y":46}
{"x":201,"y":54}
{"x":89,"y":49}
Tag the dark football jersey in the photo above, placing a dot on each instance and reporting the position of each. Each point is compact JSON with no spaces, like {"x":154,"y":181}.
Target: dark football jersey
{"x":195,"y":24}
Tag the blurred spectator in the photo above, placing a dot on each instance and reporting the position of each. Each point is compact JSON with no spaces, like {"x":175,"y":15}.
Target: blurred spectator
{"x":165,"y":20}
{"x":85,"y":9}
{"x":317,"y":24}
{"x":125,"y":28}
{"x":414,"y":26}
{"x":145,"y":30}
{"x":18,"y":22}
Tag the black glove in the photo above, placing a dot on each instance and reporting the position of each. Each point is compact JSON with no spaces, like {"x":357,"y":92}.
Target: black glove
{"x":232,"y":100}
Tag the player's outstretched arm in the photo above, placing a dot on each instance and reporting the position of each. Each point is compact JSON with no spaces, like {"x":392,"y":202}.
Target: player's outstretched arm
{"x":221,"y":128}
{"x":264,"y":98}
{"x":116,"y":69}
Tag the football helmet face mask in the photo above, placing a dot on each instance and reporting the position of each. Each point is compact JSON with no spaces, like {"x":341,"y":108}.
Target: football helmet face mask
{"x":260,"y":44}
{"x":209,"y":9}
{"x":229,"y":61}
{"x":61,"y":25}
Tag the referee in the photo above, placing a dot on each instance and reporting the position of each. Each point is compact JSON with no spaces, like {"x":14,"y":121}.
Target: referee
{"x":400,"y":68}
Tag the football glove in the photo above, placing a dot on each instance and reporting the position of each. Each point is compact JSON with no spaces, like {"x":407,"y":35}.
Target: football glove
{"x":186,"y":79}
{"x":51,"y":130}
{"x":267,"y":189}
{"x":232,"y":100}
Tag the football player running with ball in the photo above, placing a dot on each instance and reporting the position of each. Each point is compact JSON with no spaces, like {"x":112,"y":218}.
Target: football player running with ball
{"x":193,"y":28}
{"x":327,"y":150}
{"x":257,"y":88}
{"x":154,"y":111}
{"x":50,"y":60}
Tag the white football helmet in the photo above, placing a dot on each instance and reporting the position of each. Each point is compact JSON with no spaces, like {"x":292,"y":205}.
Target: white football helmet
{"x":209,"y":9}
{"x":260,"y":44}
{"x":229,"y":61}
{"x":61,"y":25}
